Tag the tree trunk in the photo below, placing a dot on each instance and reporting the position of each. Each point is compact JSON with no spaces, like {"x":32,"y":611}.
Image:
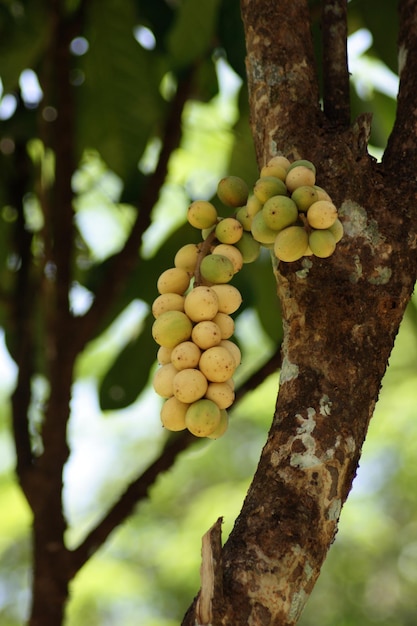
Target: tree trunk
{"x":340,"y":316}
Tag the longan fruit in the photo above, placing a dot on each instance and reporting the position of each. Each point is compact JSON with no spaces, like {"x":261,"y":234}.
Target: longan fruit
{"x":279,"y":212}
{"x":232,"y":253}
{"x":221,"y":393}
{"x":299,"y":176}
{"x":189,"y":385}
{"x":229,"y":230}
{"x":173,"y":280}
{"x":173,"y":414}
{"x":185,"y":355}
{"x":322,"y":243}
{"x":322,"y":214}
{"x":291,"y":243}
{"x":202,"y":417}
{"x":217,"y":364}
{"x":201,"y":303}
{"x":217,"y":269}
{"x":186,"y":257}
{"x":232,"y":191}
{"x":206,"y":334}
{"x":202,"y":214}
{"x":167,"y":302}
{"x":229,"y":298}
{"x":163,"y":380}
{"x":171,"y":328}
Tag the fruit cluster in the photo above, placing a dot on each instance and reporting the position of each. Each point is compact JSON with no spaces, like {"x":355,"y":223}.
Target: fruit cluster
{"x":193,"y":323}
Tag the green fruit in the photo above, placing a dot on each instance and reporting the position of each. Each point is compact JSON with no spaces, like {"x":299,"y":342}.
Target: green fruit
{"x":279,"y":212}
{"x":217,"y":268}
{"x":253,"y":205}
{"x":202,"y":214}
{"x":232,"y":191}
{"x":337,"y":230}
{"x":229,"y":230}
{"x":322,"y":243}
{"x":304,"y":163}
{"x":261,"y":232}
{"x":304,"y":197}
{"x":291,"y":243}
{"x":202,"y":417}
{"x":171,"y":328}
{"x":244,"y":218}
{"x":249,"y":248}
{"x":269,"y":186}
{"x":222,"y":427}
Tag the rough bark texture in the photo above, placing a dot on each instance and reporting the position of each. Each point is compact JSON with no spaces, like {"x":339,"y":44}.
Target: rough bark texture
{"x":341,"y":316}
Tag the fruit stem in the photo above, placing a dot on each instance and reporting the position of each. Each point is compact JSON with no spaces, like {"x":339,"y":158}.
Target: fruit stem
{"x":204,"y":251}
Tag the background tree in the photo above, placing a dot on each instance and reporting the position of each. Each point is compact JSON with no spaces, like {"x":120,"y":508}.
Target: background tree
{"x":70,"y":146}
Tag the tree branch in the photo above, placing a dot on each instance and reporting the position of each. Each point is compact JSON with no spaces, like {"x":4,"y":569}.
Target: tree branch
{"x":121,"y":264}
{"x":401,"y":152}
{"x":282,"y":81}
{"x":335,"y":63}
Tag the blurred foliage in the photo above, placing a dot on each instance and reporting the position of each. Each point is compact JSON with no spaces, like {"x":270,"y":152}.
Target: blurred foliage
{"x":128,"y":61}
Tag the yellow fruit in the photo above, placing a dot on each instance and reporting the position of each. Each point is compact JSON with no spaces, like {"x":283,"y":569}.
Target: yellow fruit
{"x":201,"y":303}
{"x":232,"y":191}
{"x":291,"y":243}
{"x":173,"y":414}
{"x":163,"y":380}
{"x":298,"y":177}
{"x":232,"y":253}
{"x":185,"y":355}
{"x":202,"y":418}
{"x":163,"y":355}
{"x":304,"y":197}
{"x":206,"y":334}
{"x":173,"y":280}
{"x":269,"y":186}
{"x":244,"y":218}
{"x":167,"y":302}
{"x":279,"y":212}
{"x":189,"y":385}
{"x":229,"y":298}
{"x":202,"y":214}
{"x":186,"y":257}
{"x":233,"y":349}
{"x":222,"y":427}
{"x":322,"y":214}
{"x":337,"y":230}
{"x":220,"y":393}
{"x":261,"y":232}
{"x":280,"y":160}
{"x":253,"y":205}
{"x":249,"y":248}
{"x":322,"y":243}
{"x":271,"y":169}
{"x":322,"y":193}
{"x":225,"y":323}
{"x":229,"y":230}
{"x":171,"y":328}
{"x":217,"y":364}
{"x":217,"y":268}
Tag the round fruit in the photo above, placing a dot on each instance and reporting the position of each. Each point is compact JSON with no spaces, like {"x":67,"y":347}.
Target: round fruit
{"x":225,"y":323}
{"x":173,"y":414}
{"x":171,"y":328}
{"x":244,"y":218}
{"x":269,"y":186}
{"x":291,"y":243}
{"x":322,"y":214}
{"x":322,"y":193}
{"x":304,"y":197}
{"x":217,"y":268}
{"x":163,"y":380}
{"x":186,"y":257}
{"x":337,"y":230}
{"x":222,"y":427}
{"x":249,"y":248}
{"x":279,"y":212}
{"x":253,"y":205}
{"x":185,"y":355}
{"x":260,"y":231}
{"x":217,"y":364}
{"x":232,"y":191}
{"x":229,"y":298}
{"x":281,"y":161}
{"x":173,"y":280}
{"x":299,"y":176}
{"x":201,"y":303}
{"x":189,"y":385}
{"x":167,"y":302}
{"x":202,"y":214}
{"x":229,"y":230}
{"x":163,"y":355}
{"x":322,"y":243}
{"x":271,"y":169}
{"x":202,"y":418}
{"x":232,"y":253}
{"x":304,"y":163}
{"x":233,"y":349}
{"x":221,"y":393}
{"x":206,"y":334}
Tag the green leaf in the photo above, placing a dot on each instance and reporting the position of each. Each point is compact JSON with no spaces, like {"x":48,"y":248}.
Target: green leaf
{"x":129,"y":373}
{"x":193,"y":32}
{"x":120,"y":105}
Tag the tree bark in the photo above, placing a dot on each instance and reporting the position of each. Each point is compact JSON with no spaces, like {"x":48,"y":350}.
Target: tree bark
{"x":340,"y":316}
